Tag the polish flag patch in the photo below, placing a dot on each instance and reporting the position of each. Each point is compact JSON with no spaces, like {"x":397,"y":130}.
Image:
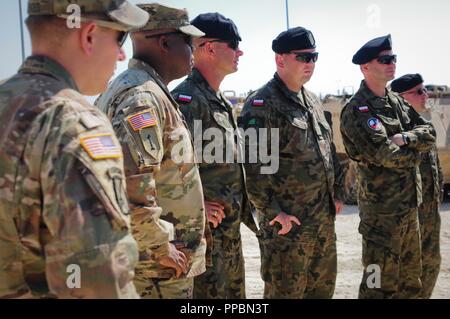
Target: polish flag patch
{"x":258,"y":102}
{"x":185,"y":98}
{"x":363,"y":109}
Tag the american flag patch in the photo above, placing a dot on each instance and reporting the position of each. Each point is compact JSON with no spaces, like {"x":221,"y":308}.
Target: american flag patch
{"x":259,"y":102}
{"x":184,"y":98}
{"x":142,"y":120}
{"x":363,"y":109}
{"x":101,"y":146}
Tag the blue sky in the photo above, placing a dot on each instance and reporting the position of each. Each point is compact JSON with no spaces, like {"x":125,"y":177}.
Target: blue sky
{"x":420,"y":31}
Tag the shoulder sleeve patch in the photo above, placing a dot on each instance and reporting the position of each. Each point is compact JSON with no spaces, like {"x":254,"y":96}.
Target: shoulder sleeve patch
{"x":142,"y":120}
{"x":101,"y":146}
{"x":374,"y":124}
{"x":184,"y":98}
{"x":258,"y":102}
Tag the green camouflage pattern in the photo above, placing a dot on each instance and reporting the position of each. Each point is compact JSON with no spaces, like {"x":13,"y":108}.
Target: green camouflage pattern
{"x":309,"y":178}
{"x":430,"y":228}
{"x":390,"y":187}
{"x":302,"y":269}
{"x":391,"y":241}
{"x":429,"y":218}
{"x":389,"y":175}
{"x":59,"y":206}
{"x":223,"y":183}
{"x":161,"y":191}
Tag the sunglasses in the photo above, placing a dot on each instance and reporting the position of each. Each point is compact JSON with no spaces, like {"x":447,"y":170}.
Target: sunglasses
{"x":187,"y":38}
{"x":387,"y":59}
{"x":232,"y":44}
{"x":418,"y":91}
{"x":122,"y":37}
{"x":306,"y":57}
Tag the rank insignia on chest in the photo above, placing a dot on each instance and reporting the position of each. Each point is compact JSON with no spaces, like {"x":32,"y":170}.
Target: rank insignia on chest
{"x":142,"y":120}
{"x":374,"y":124}
{"x":363,"y":109}
{"x":101,"y":146}
{"x":184,"y":98}
{"x":258,"y":102}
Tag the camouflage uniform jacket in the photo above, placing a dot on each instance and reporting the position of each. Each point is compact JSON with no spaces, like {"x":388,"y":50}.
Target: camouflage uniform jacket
{"x":309,"y":177}
{"x":160,"y":168}
{"x":431,"y":174}
{"x":389,"y":175}
{"x":223,"y":181}
{"x":62,"y":191}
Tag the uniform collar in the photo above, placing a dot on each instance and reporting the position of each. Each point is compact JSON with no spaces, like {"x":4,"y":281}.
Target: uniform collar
{"x":38,"y":64}
{"x":296,"y":97}
{"x":207,"y":90}
{"x":141,"y":65}
{"x":375,"y":101}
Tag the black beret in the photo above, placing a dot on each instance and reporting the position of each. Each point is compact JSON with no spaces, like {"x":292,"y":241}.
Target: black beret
{"x":406,"y":82}
{"x":293,"y":39}
{"x":215,"y":25}
{"x":372,"y":49}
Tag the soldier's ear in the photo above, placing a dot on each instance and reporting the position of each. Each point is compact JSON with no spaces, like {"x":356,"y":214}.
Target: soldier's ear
{"x":163,"y":42}
{"x":279,"y":60}
{"x":88,"y":34}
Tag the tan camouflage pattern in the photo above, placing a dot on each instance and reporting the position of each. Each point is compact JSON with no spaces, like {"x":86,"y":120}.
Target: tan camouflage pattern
{"x":223,"y":183}
{"x":308,"y":181}
{"x":119,"y":14}
{"x":58,"y":206}
{"x":155,"y":288}
{"x":390,"y":187}
{"x":160,"y":190}
{"x":163,"y":17}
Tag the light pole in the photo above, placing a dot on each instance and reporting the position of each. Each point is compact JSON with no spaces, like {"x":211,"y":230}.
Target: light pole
{"x":21,"y":31}
{"x":287,"y":13}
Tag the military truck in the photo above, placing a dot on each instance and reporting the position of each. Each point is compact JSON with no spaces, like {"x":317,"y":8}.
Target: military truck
{"x":438,"y":113}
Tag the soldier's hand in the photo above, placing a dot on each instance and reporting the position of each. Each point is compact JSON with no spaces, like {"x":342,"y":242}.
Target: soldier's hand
{"x":214,"y":213}
{"x":397,"y":139}
{"x":176,"y":260}
{"x":286,"y":222}
{"x":339,"y":205}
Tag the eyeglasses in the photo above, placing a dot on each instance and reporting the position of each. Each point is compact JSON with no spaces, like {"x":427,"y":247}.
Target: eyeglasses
{"x":232,"y":44}
{"x":187,"y":38}
{"x":306,"y":57}
{"x":121,"y":38}
{"x":418,"y":91}
{"x":387,"y":59}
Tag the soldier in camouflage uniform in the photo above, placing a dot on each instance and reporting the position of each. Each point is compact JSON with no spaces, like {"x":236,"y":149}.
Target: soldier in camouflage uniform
{"x":298,"y":259}
{"x":63,"y":205}
{"x":162,"y":176}
{"x":388,"y":140}
{"x":410,"y":87}
{"x":217,"y":55}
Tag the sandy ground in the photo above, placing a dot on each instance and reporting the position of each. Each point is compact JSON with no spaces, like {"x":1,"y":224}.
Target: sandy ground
{"x":349,"y":257}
